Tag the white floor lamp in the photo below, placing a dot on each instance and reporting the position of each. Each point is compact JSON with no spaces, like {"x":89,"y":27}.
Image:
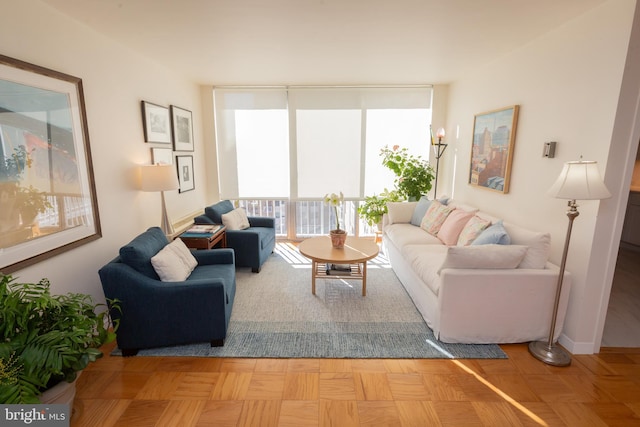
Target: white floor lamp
{"x":578,"y":180}
{"x":160,"y":178}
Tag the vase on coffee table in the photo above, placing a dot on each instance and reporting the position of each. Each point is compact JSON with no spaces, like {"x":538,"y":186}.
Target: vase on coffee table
{"x":338,"y":237}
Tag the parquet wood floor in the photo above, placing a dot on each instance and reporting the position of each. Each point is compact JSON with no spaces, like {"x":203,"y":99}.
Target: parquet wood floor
{"x":596,"y":390}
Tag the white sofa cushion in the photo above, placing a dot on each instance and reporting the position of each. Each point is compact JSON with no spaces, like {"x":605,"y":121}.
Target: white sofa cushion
{"x":400,"y":212}
{"x":484,"y":256}
{"x":407,"y":234}
{"x":425,"y":260}
{"x":539,"y":245}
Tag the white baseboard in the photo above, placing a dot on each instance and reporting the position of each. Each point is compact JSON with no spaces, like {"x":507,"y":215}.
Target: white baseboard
{"x":576,"y":347}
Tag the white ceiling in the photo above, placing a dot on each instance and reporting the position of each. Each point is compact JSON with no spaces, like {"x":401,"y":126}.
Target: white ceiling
{"x":337,"y":42}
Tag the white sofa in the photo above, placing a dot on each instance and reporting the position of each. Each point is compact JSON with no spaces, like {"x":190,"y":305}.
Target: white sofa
{"x":475,"y":293}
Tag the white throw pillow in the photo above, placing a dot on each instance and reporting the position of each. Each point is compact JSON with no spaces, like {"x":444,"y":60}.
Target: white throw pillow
{"x":484,"y":256}
{"x":400,"y":212}
{"x":172,"y":263}
{"x":236,"y":219}
{"x":539,"y":245}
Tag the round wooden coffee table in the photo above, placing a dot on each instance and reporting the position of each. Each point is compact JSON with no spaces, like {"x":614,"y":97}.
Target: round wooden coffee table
{"x":355,"y":254}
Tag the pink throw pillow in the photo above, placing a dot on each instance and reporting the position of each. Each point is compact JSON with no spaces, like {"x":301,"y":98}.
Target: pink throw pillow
{"x":453,"y":225}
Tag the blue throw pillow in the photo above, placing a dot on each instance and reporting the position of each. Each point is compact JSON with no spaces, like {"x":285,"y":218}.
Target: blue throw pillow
{"x":493,"y":235}
{"x":420,"y":211}
{"x":422,"y":207}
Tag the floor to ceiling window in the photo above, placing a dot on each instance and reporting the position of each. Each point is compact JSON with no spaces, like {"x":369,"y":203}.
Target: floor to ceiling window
{"x":280,"y":150}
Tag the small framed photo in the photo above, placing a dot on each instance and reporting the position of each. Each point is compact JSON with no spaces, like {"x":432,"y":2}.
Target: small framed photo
{"x":185,"y":173}
{"x":157,"y":126}
{"x":182,"y":128}
{"x":494,"y":136}
{"x":161,"y":156}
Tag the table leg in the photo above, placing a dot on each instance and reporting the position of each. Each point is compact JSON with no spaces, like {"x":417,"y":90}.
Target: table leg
{"x":314,"y":267}
{"x":364,"y":279}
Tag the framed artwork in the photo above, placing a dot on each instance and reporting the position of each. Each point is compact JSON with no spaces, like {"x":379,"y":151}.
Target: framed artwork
{"x":185,"y":173}
{"x":182,"y":128}
{"x":48,"y":201}
{"x":492,"y":148}
{"x":157,"y":126}
{"x":161,"y":156}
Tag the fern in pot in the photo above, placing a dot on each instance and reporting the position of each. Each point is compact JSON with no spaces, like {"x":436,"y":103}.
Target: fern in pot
{"x":46,"y":339}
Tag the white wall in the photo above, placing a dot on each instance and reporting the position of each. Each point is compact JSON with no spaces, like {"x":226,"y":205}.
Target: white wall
{"x":567,"y":84}
{"x":115,"y":80}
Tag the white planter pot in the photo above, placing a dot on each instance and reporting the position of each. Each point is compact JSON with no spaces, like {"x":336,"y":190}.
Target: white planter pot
{"x":62,"y":393}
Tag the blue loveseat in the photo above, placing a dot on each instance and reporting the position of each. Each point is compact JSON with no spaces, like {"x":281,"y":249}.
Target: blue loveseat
{"x":252,"y":245}
{"x":154,"y":313}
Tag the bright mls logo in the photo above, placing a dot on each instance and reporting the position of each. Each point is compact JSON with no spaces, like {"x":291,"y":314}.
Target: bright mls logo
{"x":38,"y":415}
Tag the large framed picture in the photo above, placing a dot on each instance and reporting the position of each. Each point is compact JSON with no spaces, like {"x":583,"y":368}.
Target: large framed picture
{"x":48,"y":201}
{"x":494,"y":135}
{"x":185,"y":173}
{"x":157,"y":126}
{"x":182,"y":128}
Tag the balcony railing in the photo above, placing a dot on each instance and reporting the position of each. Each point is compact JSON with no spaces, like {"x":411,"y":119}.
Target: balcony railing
{"x":312,"y":218}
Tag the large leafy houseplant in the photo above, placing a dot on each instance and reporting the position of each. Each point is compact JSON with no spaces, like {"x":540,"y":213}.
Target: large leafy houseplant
{"x":374,"y":207}
{"x":46,"y":338}
{"x":413,"y":174}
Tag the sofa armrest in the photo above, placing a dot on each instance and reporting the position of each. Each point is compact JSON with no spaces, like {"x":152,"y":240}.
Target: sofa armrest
{"x":472,"y":300}
{"x":385,"y":221}
{"x":262,"y":221}
{"x":203,"y":219}
{"x":214,"y":256}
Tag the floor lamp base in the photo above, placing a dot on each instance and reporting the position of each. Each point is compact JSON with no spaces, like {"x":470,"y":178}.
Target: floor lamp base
{"x":551,"y":355}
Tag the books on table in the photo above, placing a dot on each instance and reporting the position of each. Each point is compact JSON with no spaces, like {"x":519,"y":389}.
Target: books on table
{"x":338,"y":269}
{"x":203,"y":229}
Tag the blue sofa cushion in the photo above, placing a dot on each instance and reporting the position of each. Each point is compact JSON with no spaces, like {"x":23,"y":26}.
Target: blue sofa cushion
{"x":137,"y":253}
{"x":216,"y":211}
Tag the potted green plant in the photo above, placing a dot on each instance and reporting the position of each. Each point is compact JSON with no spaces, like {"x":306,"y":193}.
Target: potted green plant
{"x":374,"y":207}
{"x":413,"y":174}
{"x":338,"y":235}
{"x":46,"y":339}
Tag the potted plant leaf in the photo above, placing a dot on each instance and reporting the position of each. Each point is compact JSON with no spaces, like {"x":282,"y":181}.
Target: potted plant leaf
{"x":413,"y":174}
{"x":374,"y":207}
{"x":46,"y":339}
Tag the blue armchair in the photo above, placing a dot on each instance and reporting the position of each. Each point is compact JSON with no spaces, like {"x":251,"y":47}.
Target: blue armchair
{"x":252,"y":245}
{"x":157,"y":314}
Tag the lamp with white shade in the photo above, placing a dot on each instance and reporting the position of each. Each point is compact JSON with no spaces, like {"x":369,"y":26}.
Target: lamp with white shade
{"x":160,"y":178}
{"x":579,"y":180}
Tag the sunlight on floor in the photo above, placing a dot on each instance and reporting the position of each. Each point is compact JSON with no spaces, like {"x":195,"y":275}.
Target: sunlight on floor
{"x":502,"y":394}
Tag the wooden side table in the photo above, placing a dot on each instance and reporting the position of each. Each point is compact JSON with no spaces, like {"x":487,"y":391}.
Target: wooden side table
{"x":205,"y":240}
